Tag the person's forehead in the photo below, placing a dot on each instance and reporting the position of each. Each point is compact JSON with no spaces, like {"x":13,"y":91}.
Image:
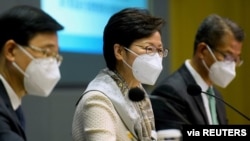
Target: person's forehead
{"x":45,"y":40}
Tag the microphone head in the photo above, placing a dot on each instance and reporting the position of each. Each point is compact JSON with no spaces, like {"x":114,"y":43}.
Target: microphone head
{"x":136,"y":94}
{"x":194,"y":89}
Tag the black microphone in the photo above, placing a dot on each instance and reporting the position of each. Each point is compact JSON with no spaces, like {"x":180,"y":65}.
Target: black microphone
{"x":136,"y":94}
{"x":194,"y":90}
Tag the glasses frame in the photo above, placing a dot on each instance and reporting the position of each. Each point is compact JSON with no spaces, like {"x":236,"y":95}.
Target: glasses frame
{"x":228,"y":57}
{"x":47,"y":53}
{"x":151,"y":50}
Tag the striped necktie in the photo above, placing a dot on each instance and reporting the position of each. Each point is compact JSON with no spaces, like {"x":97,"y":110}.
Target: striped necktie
{"x":212,"y":106}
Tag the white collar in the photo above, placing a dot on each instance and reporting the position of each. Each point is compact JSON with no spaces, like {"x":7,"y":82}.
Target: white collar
{"x":198,"y":79}
{"x":14,"y":99}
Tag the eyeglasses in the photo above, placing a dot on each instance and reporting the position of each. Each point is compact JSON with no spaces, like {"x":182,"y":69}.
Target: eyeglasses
{"x":230,"y":58}
{"x":47,"y":53}
{"x":151,"y":50}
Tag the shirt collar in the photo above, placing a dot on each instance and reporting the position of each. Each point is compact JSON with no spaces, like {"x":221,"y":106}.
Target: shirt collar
{"x":198,"y":79}
{"x":14,"y":99}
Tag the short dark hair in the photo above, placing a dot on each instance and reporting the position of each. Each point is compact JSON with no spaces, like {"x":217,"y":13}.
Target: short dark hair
{"x":214,"y":28}
{"x":126,"y":26}
{"x":21,"y":23}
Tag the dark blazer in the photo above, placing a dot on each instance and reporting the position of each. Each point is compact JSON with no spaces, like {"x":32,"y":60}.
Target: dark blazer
{"x":191,"y":108}
{"x":10,"y":127}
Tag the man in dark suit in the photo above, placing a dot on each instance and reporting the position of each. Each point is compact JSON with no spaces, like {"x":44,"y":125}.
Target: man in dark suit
{"x":29,"y":64}
{"x":216,"y":54}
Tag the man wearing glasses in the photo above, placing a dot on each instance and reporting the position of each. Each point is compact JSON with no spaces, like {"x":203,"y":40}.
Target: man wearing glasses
{"x":217,"y":49}
{"x":29,"y":64}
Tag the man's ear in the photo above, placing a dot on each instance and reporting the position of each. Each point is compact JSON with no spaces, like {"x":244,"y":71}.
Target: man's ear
{"x":201,"y":49}
{"x":118,"y":51}
{"x":9,"y":50}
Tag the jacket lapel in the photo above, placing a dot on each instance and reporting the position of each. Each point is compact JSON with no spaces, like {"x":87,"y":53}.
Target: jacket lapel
{"x":188,"y":78}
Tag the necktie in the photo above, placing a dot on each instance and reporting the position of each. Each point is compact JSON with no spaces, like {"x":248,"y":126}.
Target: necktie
{"x":19,"y":113}
{"x":212,"y":105}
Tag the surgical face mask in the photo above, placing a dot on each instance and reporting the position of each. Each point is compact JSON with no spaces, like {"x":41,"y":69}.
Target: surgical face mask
{"x":221,"y":72}
{"x":146,"y":68}
{"x":41,"y":75}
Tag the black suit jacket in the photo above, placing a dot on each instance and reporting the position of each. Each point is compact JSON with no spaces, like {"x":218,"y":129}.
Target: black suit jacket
{"x":10,"y":127}
{"x":191,"y":108}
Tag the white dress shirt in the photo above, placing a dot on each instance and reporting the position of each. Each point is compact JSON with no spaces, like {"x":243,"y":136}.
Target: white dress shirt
{"x":14,"y":99}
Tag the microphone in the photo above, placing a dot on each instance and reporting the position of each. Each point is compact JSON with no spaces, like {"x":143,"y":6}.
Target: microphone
{"x":136,"y":94}
{"x":160,"y":96}
{"x":195,"y":90}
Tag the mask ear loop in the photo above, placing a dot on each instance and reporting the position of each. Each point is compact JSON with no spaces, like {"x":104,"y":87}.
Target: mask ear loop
{"x":211,"y":52}
{"x":131,"y":51}
{"x":209,"y":49}
{"x":15,"y":65}
{"x":29,"y":55}
{"x":126,"y":62}
{"x":24,"y":51}
{"x":204,"y":63}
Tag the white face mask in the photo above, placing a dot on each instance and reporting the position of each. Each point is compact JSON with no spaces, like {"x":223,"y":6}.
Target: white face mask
{"x":221,"y":72}
{"x":41,"y":75}
{"x":146,"y":68}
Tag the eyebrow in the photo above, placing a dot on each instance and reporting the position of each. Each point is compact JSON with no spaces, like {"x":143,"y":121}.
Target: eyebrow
{"x":227,"y":52}
{"x":160,"y":46}
{"x":49,"y":45}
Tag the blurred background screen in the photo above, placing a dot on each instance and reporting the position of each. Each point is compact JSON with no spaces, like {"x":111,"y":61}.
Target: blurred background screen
{"x":81,"y":40}
{"x":84,"y":21}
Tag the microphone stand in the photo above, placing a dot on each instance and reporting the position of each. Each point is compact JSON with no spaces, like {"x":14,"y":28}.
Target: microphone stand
{"x":171,"y":107}
{"x":228,"y":105}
